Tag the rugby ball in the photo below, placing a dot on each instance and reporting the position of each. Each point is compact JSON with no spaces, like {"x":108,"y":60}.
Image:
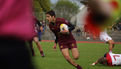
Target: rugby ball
{"x":63,"y":27}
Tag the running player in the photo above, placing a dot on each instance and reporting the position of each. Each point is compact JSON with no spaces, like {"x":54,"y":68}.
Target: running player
{"x":38,"y":27}
{"x":65,"y":38}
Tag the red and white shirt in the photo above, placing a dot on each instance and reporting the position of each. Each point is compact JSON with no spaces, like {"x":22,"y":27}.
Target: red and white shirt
{"x":113,"y":59}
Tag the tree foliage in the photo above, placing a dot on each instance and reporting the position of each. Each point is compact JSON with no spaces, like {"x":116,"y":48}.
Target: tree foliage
{"x":45,"y":5}
{"x":118,"y":20}
{"x":36,"y":6}
{"x":41,"y":6}
{"x":66,"y":9}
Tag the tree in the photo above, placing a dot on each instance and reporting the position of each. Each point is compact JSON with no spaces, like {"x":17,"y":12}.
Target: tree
{"x":118,"y":20}
{"x":36,"y":6}
{"x":45,"y":5}
{"x":66,"y":9}
{"x":40,"y":7}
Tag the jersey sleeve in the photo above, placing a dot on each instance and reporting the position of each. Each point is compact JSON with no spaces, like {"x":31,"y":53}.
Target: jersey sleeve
{"x":71,"y":27}
{"x":108,"y":58}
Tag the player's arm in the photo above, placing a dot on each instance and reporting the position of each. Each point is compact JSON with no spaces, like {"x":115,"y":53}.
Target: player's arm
{"x":56,"y":40}
{"x":71,"y":27}
{"x":64,"y":29}
{"x":40,"y":25}
{"x":101,"y":60}
{"x":41,"y":28}
{"x":55,"y":43}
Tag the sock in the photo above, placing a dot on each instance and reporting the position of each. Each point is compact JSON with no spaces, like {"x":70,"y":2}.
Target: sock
{"x":42,"y":54}
{"x":78,"y":67}
{"x":33,"y":54}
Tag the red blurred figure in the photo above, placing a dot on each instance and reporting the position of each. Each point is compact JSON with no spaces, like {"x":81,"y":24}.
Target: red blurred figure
{"x":101,"y":14}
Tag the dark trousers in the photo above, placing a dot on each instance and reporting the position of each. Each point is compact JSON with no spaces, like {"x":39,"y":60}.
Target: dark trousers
{"x":14,"y":54}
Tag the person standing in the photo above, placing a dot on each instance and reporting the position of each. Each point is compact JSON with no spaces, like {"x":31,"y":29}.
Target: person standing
{"x":38,"y":27}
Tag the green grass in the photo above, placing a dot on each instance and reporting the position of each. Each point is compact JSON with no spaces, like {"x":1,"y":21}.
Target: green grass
{"x":89,"y":52}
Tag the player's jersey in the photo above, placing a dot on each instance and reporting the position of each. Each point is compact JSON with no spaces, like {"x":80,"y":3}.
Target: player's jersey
{"x":104,"y":36}
{"x":37,"y":26}
{"x":113,"y":59}
{"x":62,"y":38}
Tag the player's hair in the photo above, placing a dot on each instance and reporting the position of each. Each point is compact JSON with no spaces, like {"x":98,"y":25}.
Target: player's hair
{"x":102,"y":60}
{"x":51,"y":12}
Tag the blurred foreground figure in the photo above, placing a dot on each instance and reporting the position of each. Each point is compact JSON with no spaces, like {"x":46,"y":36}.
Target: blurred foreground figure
{"x":16,"y":27}
{"x":101,"y":14}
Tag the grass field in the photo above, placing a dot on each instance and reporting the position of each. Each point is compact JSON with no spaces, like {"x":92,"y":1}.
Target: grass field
{"x":89,"y":52}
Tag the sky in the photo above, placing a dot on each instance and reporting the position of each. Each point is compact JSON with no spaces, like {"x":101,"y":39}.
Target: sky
{"x":54,"y":1}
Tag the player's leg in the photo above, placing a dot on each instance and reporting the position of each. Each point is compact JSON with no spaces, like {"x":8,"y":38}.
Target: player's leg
{"x":36,"y":40}
{"x":31,"y":47}
{"x":74,"y":50}
{"x":111,"y":45}
{"x":105,"y":37}
{"x":65,"y":53}
{"x":75,"y":53}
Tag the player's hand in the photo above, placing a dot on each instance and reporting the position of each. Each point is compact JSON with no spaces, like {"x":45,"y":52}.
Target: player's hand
{"x":93,"y":64}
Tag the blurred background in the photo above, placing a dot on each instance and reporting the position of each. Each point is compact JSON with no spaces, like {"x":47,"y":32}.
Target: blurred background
{"x":74,"y":11}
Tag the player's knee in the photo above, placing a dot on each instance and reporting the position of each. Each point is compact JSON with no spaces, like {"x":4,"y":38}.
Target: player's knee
{"x":111,"y":42}
{"x":36,"y":41}
{"x":76,"y":57}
